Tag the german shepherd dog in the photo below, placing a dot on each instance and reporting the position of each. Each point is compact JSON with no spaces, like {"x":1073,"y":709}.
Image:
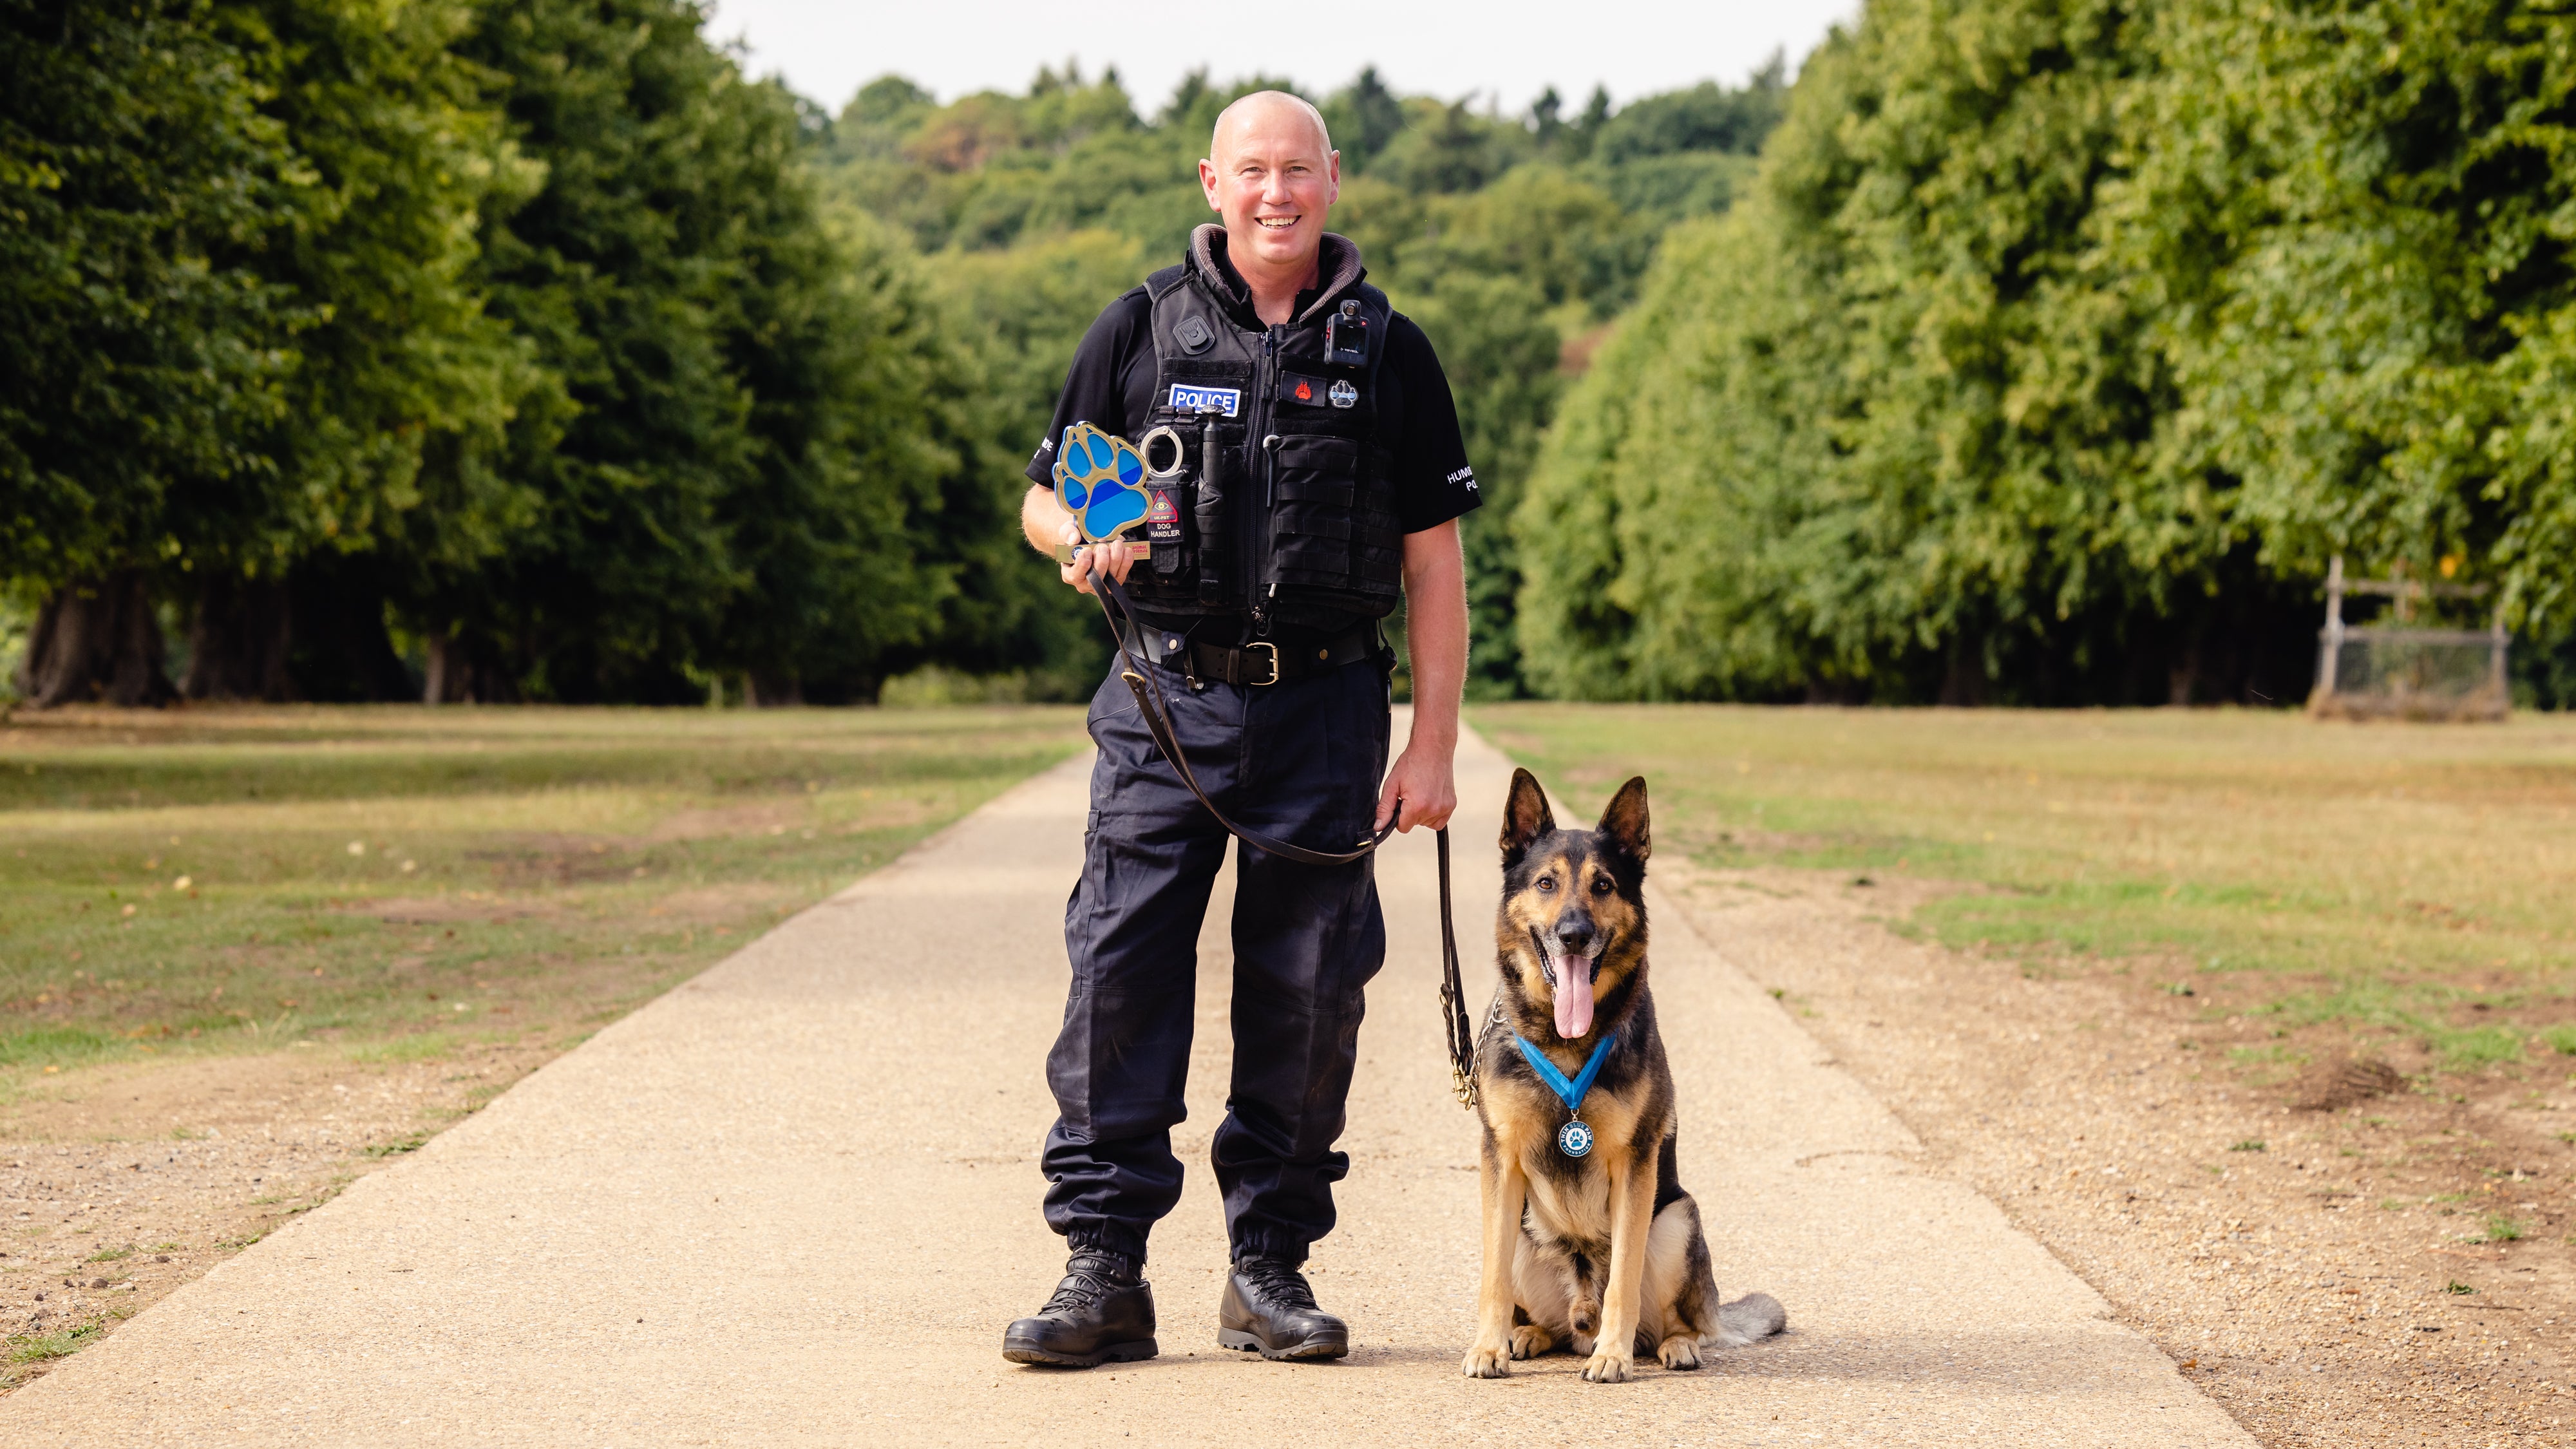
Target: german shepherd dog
{"x":1601,"y":1253}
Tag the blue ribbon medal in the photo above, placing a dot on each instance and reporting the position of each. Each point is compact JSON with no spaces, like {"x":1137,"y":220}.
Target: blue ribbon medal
{"x":1574,"y":1139}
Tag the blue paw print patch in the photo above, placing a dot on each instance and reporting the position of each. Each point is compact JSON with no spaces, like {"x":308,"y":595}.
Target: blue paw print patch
{"x":1097,"y":476}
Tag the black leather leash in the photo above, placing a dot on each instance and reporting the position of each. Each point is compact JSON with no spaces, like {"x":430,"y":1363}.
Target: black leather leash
{"x":1453,"y":995}
{"x":1145,"y":683}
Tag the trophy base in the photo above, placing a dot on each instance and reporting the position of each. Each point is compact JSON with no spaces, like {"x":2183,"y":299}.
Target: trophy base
{"x":1139,"y":550}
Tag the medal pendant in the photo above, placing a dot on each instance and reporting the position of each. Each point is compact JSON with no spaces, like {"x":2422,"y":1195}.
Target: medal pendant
{"x":1574,"y":1139}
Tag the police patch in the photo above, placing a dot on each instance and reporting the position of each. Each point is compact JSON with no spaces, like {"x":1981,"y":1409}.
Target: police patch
{"x":1188,"y":399}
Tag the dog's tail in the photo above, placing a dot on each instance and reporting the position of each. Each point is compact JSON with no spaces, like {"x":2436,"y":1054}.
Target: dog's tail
{"x":1755,"y":1315}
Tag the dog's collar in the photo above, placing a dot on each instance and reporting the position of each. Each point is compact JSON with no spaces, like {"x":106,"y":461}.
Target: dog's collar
{"x":1572,"y":1091}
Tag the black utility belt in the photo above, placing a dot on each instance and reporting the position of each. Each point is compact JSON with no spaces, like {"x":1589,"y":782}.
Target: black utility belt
{"x":1256,"y":662}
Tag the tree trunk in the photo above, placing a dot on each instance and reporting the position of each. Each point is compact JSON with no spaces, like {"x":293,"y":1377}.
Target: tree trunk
{"x":341,"y":651}
{"x":97,"y":641}
{"x":1963,"y":674}
{"x":433,"y":685}
{"x":771,"y":691}
{"x":460,"y":673}
{"x":238,"y":644}
{"x":318,"y":634}
{"x":2182,"y":678}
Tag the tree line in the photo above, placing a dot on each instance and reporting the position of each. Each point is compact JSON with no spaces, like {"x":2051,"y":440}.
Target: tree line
{"x":2034,"y":351}
{"x":362,"y":348}
{"x":1512,"y":238}
{"x":2058,"y":346}
{"x":375,"y":349}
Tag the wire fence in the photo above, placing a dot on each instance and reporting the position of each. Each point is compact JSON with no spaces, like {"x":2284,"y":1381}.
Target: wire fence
{"x":2435,"y":674}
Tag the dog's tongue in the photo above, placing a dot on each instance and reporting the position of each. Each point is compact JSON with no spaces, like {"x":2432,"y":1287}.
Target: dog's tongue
{"x":1573,"y":996}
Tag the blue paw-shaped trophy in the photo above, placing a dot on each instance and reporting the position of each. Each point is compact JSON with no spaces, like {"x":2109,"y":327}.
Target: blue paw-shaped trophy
{"x":1099,"y":478}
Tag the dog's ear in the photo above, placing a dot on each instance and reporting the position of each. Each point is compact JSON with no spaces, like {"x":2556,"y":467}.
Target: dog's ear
{"x":1625,"y":820}
{"x":1525,"y":817}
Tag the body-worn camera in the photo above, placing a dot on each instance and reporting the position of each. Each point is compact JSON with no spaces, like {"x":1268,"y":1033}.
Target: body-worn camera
{"x":1346,"y":337}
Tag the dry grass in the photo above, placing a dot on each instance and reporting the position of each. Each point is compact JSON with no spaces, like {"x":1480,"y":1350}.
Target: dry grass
{"x":215,"y":1013}
{"x":2414,"y":880}
{"x":406,"y":880}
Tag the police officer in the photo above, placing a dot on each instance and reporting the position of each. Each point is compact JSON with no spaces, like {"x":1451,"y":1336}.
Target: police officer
{"x":1320,"y":471}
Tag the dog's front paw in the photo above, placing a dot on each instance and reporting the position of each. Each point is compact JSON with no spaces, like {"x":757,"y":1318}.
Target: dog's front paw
{"x":1681,"y":1351}
{"x":1488,"y":1362}
{"x":1610,"y":1367}
{"x":1529,"y":1341}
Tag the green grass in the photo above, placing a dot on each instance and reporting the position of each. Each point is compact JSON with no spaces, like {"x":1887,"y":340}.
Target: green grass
{"x":2413,"y":878}
{"x":27,"y":1348}
{"x":396,"y":1148}
{"x":403,"y":881}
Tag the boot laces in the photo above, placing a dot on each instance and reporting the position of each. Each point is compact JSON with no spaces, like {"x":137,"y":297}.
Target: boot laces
{"x":1088,"y":1277}
{"x":1277,"y":1281}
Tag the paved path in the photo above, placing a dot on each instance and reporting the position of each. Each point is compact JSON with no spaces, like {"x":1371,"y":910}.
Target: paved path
{"x":795,"y":1200}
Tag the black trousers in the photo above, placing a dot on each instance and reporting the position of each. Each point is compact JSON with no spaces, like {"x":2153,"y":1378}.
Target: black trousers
{"x":1300,"y":761}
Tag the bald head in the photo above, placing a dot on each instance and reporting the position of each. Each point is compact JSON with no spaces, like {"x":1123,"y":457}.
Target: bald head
{"x":1265,"y":112}
{"x":1271,"y":173}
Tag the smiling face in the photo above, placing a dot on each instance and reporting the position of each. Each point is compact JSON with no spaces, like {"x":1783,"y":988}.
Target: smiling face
{"x":1573,"y":926}
{"x":1271,"y":172}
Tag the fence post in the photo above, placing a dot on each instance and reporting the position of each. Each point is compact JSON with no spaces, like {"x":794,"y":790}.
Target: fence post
{"x":2330,"y":638}
{"x":2496,"y":660}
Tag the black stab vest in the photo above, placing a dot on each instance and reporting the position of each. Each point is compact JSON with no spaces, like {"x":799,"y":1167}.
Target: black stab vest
{"x":1295,"y":523}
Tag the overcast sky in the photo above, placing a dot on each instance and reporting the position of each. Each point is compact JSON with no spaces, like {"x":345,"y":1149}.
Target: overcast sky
{"x":1505,"y":48}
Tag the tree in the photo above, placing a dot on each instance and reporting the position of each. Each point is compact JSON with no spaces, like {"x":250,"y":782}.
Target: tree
{"x":1899,"y":444}
{"x":1364,"y":117}
{"x":139,"y":348}
{"x":1019,"y":313}
{"x":1706,"y":117}
{"x":400,"y":388}
{"x":869,"y":496}
{"x":760,"y":450}
{"x":623,"y":272}
{"x":1452,"y":149}
{"x":2350,"y":219}
{"x":286,"y":221}
{"x":1652,"y":535}
{"x":1500,"y":351}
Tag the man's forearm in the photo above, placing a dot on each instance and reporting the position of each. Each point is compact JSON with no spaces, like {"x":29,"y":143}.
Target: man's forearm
{"x":1043,"y":519}
{"x":1435,"y":626}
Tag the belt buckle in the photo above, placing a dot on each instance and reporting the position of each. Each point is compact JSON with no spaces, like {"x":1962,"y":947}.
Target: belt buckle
{"x":1274,"y":663}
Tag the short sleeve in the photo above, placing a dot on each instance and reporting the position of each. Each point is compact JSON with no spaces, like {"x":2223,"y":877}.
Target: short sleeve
{"x":1096,"y":386}
{"x":1433,"y":480}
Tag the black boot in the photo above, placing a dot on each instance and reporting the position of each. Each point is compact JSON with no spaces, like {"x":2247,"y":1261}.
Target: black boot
{"x":1101,"y":1311}
{"x":1269,"y":1308}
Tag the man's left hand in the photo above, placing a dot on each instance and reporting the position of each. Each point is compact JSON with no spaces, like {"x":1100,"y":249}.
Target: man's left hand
{"x":1425,"y":783}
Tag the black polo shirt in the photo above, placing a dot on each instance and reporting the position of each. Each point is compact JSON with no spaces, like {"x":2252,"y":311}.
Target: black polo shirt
{"x":1111,"y":387}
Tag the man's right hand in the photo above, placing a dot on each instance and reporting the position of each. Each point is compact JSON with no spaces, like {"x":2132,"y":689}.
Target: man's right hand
{"x":1049,"y":530}
{"x":1091,"y":560}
